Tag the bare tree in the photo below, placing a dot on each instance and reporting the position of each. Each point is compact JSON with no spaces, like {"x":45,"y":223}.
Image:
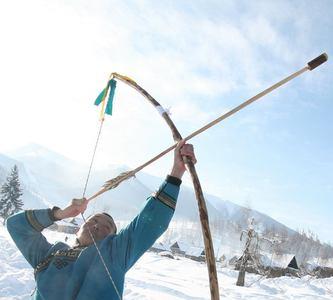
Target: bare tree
{"x":249,"y":253}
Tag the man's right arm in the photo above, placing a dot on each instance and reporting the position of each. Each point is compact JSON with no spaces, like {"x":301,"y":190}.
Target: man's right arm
{"x":135,"y":239}
{"x":25,"y":229}
{"x":130,"y":244}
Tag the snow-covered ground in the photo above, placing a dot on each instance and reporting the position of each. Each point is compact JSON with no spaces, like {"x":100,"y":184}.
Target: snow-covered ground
{"x":156,"y":277}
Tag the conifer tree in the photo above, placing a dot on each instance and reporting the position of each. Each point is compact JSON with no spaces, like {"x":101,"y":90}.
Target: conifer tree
{"x":10,"y":195}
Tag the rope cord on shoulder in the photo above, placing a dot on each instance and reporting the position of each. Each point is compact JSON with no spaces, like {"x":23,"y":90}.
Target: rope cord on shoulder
{"x":84,"y":219}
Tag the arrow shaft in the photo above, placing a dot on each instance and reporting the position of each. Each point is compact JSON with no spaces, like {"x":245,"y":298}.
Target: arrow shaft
{"x":213,"y":123}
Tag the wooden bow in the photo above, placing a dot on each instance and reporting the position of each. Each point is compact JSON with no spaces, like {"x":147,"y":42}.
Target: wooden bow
{"x":209,"y":250}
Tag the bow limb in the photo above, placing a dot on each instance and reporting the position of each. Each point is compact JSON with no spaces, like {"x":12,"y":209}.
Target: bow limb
{"x":203,"y":213}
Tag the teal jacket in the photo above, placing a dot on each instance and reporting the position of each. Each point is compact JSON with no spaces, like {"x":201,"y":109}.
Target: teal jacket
{"x":74,"y":273}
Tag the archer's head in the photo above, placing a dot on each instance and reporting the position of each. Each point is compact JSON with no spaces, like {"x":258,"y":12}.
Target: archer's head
{"x":100,"y":225}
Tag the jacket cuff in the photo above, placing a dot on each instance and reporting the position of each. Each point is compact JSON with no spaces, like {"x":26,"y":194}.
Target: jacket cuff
{"x":39,"y":218}
{"x":168,"y":192}
{"x":174,"y":180}
{"x":52,"y":212}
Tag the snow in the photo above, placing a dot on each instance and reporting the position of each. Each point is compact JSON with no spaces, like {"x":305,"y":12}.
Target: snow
{"x":16,"y":276}
{"x":157,"y":277}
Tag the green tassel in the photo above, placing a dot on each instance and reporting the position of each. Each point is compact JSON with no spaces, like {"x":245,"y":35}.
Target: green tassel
{"x":99,"y":98}
{"x":109,"y":105}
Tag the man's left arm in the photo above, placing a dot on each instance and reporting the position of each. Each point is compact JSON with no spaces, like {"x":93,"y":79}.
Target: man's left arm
{"x":25,"y":229}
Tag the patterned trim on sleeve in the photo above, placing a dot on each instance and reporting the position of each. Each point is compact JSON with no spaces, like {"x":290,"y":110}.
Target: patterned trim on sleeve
{"x":165,"y":199}
{"x":33,"y":221}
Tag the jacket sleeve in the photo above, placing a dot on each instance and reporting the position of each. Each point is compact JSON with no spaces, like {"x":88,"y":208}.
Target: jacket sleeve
{"x":25,"y":229}
{"x":134,"y":240}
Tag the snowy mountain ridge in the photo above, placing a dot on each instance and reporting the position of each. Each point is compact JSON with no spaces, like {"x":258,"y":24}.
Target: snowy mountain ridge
{"x":49,"y":179}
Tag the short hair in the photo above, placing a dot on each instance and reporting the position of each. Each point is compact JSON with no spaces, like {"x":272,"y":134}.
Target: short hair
{"x":114,"y":224}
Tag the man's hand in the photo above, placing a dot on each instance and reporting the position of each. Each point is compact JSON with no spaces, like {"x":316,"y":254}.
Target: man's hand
{"x":181,"y":150}
{"x":76,"y":207}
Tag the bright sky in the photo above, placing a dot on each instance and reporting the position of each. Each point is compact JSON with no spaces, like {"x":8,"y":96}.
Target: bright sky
{"x":198,"y":58}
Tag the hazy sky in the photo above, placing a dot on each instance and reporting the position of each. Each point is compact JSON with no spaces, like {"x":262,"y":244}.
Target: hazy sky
{"x":199,"y":59}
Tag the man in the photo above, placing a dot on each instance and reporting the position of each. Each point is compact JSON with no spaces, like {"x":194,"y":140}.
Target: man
{"x":66,"y":273}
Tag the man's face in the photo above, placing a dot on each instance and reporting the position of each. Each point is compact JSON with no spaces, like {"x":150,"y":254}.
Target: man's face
{"x":100,"y":226}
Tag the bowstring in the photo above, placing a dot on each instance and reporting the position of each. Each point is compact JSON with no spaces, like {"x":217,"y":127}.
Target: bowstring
{"x":93,"y":158}
{"x":84,"y":219}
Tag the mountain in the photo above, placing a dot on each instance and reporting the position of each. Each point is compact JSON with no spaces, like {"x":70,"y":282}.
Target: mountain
{"x":51,"y":179}
{"x":31,"y":196}
{"x":57,"y":179}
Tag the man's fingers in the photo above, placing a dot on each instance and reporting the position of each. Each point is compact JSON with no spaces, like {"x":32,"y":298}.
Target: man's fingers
{"x":188,"y":151}
{"x":180,"y":144}
{"x":192,"y":158}
{"x":79,"y":201}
